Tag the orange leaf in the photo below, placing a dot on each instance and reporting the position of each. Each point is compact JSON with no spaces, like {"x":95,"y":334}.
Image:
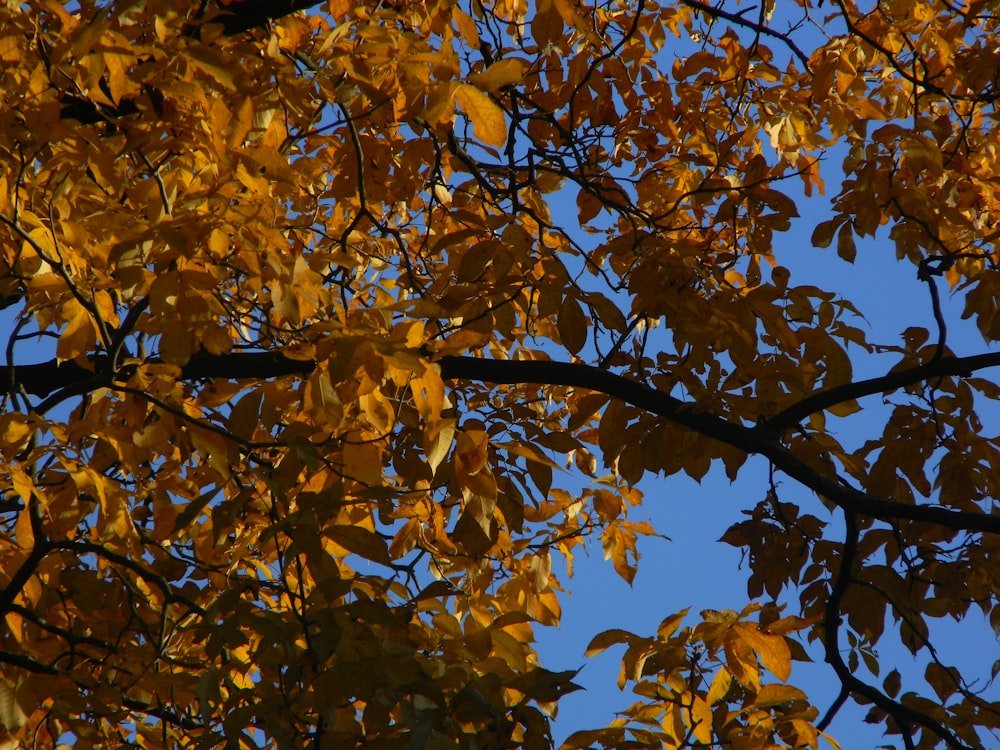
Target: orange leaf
{"x":79,"y":336}
{"x":502,"y":73}
{"x":488,"y":121}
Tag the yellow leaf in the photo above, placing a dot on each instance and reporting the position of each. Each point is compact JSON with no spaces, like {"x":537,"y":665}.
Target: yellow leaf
{"x":78,"y":337}
{"x":438,"y":438}
{"x":466,"y":27}
{"x":670,"y":624}
{"x":502,"y":73}
{"x":922,"y":154}
{"x":428,"y":394}
{"x":846,"y":248}
{"x":773,"y":694}
{"x":215,"y":69}
{"x":699,"y":714}
{"x":844,"y":408}
{"x":362,"y":461}
{"x":740,"y":660}
{"x":528,"y":451}
{"x":360,"y":541}
{"x":405,"y":539}
{"x":241,"y":123}
{"x":720,"y":686}
{"x":605,"y":640}
{"x":587,"y":206}
{"x":611,"y":433}
{"x":24,"y":486}
{"x":773,"y":651}
{"x":572,"y":325}
{"x":547,"y":23}
{"x":607,"y":504}
{"x":488,"y":122}
{"x":24,"y":534}
{"x":619,"y":547}
{"x":471,"y":469}
{"x":214,"y":449}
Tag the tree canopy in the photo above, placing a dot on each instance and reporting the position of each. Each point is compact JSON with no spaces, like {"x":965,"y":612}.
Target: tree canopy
{"x":311,"y":306}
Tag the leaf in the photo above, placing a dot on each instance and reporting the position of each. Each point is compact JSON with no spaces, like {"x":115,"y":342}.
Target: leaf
{"x":699,"y":718}
{"x":942,"y":680}
{"x":619,"y":548}
{"x":361,"y":542}
{"x":824,"y":232}
{"x":846,"y":248}
{"x":772,"y":649}
{"x":79,"y":337}
{"x":466,"y":27}
{"x":606,"y":639}
{"x":362,"y":460}
{"x":438,"y":439}
{"x":502,"y":73}
{"x":774,"y":694}
{"x":317,"y":319}
{"x":844,"y":408}
{"x":12,"y":717}
{"x":488,"y":121}
{"x":892,"y":683}
{"x":719,"y":687}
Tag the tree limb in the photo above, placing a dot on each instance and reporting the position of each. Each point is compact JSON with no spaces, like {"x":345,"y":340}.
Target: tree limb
{"x":243,"y":15}
{"x":47,"y":377}
{"x":760,"y":440}
{"x":960,"y":366}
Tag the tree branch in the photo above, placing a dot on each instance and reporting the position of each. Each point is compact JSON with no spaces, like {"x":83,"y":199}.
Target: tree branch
{"x":902,"y":715}
{"x":960,"y":366}
{"x":44,"y":378}
{"x":243,"y":15}
{"x":26,"y":663}
{"x":760,"y":440}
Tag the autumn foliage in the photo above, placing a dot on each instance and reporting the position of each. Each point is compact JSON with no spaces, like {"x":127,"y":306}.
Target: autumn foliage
{"x":308,"y":307}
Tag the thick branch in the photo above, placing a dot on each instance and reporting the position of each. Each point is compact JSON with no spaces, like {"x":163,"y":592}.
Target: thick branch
{"x":760,"y":440}
{"x":960,"y":366}
{"x":26,"y":663}
{"x":48,"y":377}
{"x":510,"y":372}
{"x":243,"y":15}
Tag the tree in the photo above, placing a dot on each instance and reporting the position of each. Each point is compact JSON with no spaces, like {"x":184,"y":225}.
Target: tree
{"x":310,"y":303}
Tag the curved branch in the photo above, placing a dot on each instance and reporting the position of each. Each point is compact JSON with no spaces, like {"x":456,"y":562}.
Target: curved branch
{"x":26,"y":663}
{"x":759,"y":28}
{"x":46,"y":378}
{"x":903,"y":716}
{"x":513,"y":372}
{"x":891,"y":381}
{"x":243,"y":15}
{"x":761,"y":439}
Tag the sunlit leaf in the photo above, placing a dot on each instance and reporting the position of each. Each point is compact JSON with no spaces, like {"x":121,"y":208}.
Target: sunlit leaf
{"x":488,"y":121}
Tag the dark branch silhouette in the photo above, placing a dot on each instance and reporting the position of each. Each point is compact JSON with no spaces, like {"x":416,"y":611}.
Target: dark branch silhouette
{"x":763,"y":439}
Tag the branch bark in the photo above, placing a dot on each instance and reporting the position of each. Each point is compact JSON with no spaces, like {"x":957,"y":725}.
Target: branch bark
{"x":763,"y":439}
{"x":243,"y":15}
